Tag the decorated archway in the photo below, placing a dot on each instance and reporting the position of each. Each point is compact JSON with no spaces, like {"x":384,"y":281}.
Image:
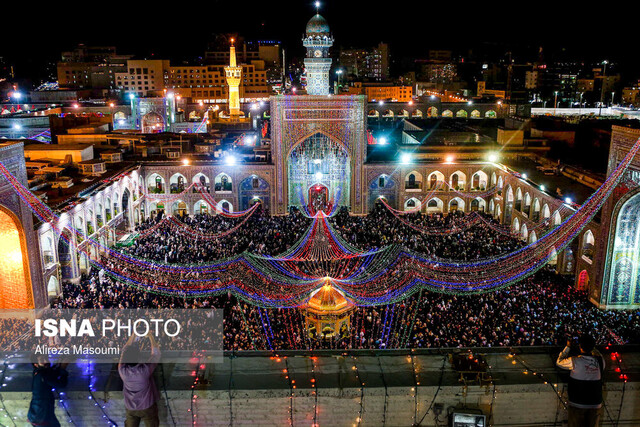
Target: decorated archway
{"x":15,"y":281}
{"x":152,"y":123}
{"x":319,"y":160}
{"x":254,"y":189}
{"x":623,"y":259}
{"x":318,"y":199}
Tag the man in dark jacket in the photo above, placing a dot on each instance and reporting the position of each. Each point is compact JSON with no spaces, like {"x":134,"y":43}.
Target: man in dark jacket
{"x":585,"y":382}
{"x":46,"y":379}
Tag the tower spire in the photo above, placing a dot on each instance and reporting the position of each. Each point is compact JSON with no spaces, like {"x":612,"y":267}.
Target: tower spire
{"x":233,"y":73}
{"x":232,"y":54}
{"x":317,"y":63}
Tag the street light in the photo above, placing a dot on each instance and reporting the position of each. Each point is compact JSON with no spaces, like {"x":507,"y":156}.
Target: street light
{"x":555,"y":104}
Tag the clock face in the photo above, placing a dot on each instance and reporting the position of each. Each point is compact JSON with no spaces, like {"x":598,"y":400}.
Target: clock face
{"x":318,"y":53}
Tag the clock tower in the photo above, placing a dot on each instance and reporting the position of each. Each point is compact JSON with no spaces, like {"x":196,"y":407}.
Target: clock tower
{"x":317,"y":40}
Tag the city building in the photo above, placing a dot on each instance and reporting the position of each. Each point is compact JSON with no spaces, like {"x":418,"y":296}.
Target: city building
{"x":144,"y":77}
{"x":91,"y":67}
{"x":381,"y":92}
{"x":366,"y":64}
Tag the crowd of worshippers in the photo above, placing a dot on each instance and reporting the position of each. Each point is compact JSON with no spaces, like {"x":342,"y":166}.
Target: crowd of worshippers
{"x":261,"y":234}
{"x":454,"y":236}
{"x":541,"y":310}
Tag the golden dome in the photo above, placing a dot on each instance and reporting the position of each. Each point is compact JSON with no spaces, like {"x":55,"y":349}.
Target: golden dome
{"x":328,"y":300}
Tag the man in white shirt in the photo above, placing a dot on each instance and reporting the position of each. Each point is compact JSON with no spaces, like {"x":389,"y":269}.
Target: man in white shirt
{"x":585,"y":382}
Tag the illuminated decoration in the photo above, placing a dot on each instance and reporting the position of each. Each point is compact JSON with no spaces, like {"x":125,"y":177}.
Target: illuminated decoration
{"x":624,"y":261}
{"x":43,"y":137}
{"x":153,"y":115}
{"x":317,"y":63}
{"x":319,"y":171}
{"x":379,"y":276}
{"x":233,"y":75}
{"x":327,"y":313}
{"x":15,"y":286}
{"x":337,"y":126}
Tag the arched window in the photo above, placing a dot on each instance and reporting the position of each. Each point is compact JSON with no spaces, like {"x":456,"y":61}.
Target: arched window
{"x":456,"y":204}
{"x":223,"y":183}
{"x":516,"y":226}
{"x":583,"y":281}
{"x":177,"y":183}
{"x":588,"y":245}
{"x":479,"y":181}
{"x":454,"y":181}
{"x":434,"y":205}
{"x":518,"y":204}
{"x":527,"y":203}
{"x":434,"y":177}
{"x":413,"y":181}
{"x":535,"y":215}
{"x":412,"y":204}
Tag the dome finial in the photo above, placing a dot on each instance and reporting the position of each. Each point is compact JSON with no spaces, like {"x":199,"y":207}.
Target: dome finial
{"x":317,"y":7}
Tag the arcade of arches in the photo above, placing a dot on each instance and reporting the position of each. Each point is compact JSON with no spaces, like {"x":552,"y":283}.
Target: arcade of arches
{"x":15,"y":284}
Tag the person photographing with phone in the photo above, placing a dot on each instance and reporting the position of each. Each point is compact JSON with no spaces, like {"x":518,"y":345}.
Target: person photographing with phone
{"x":139,"y":388}
{"x":585,"y":381}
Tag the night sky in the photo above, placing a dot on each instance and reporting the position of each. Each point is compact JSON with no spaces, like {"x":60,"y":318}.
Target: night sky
{"x":584,"y":31}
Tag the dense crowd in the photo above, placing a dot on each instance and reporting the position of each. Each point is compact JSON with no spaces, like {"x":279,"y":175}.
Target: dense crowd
{"x":541,"y":310}
{"x":260,"y":234}
{"x":467,"y":240}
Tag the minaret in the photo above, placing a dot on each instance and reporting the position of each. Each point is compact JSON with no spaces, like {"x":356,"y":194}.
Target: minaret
{"x":317,"y":40}
{"x":233,"y":74}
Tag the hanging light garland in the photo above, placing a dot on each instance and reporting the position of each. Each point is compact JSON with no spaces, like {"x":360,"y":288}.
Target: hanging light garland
{"x":383,"y":276}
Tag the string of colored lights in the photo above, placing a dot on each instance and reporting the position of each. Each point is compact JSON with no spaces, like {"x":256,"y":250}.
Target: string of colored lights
{"x":370,"y":278}
{"x":184,"y":229}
